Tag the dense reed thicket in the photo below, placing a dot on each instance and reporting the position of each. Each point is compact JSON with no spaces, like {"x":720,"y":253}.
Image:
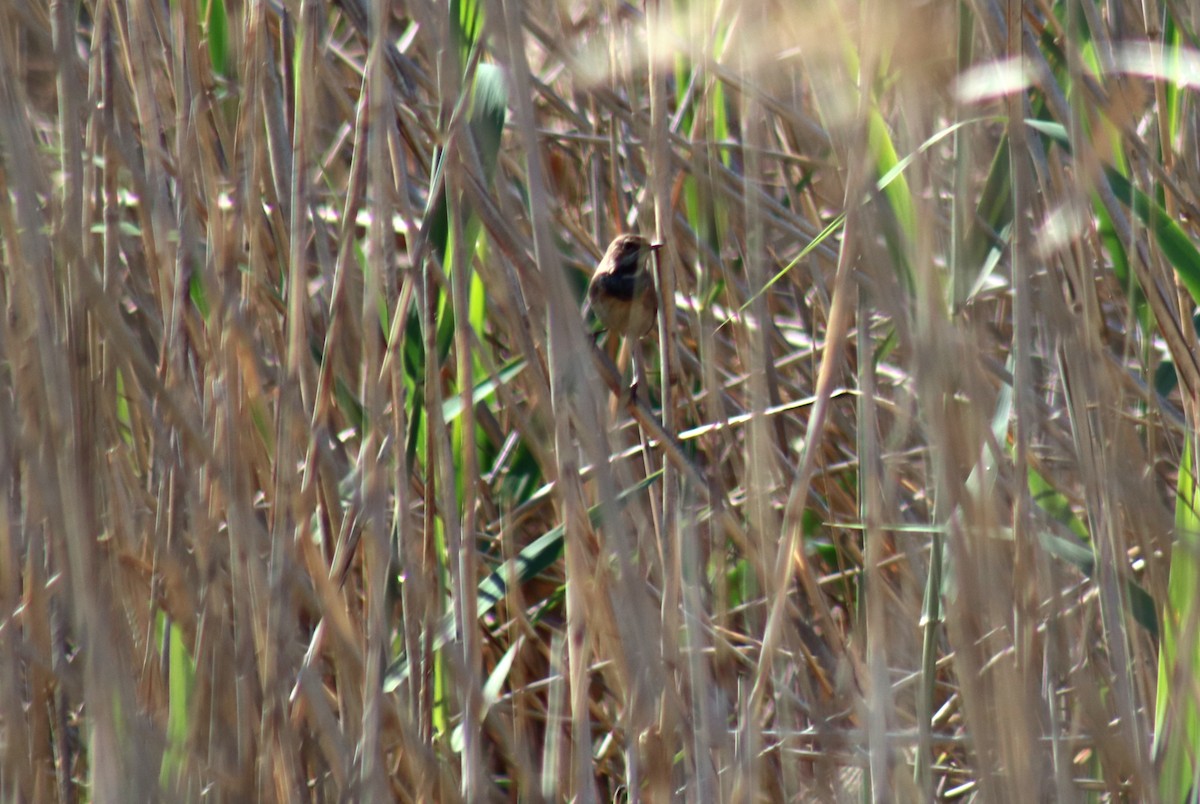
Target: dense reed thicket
{"x":315,"y":485}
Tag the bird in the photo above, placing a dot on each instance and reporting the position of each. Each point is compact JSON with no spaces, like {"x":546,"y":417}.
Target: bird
{"x":621,"y":292}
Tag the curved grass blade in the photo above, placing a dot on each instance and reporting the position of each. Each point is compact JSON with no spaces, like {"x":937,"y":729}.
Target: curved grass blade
{"x":531,"y":562}
{"x":1176,"y":709}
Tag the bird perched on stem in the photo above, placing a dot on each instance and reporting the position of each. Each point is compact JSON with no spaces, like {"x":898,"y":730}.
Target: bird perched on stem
{"x":622,"y":292}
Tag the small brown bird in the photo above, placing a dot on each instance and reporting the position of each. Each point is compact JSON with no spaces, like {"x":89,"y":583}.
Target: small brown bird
{"x":622,"y":290}
{"x":623,"y":296}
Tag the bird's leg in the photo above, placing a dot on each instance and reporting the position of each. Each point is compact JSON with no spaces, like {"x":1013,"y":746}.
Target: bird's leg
{"x":639,"y":369}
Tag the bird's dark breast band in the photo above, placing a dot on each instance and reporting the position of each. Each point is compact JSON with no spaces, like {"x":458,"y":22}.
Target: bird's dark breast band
{"x":619,"y":286}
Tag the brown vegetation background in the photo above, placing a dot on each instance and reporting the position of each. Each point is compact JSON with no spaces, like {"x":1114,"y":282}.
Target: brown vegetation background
{"x":313,"y":485}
